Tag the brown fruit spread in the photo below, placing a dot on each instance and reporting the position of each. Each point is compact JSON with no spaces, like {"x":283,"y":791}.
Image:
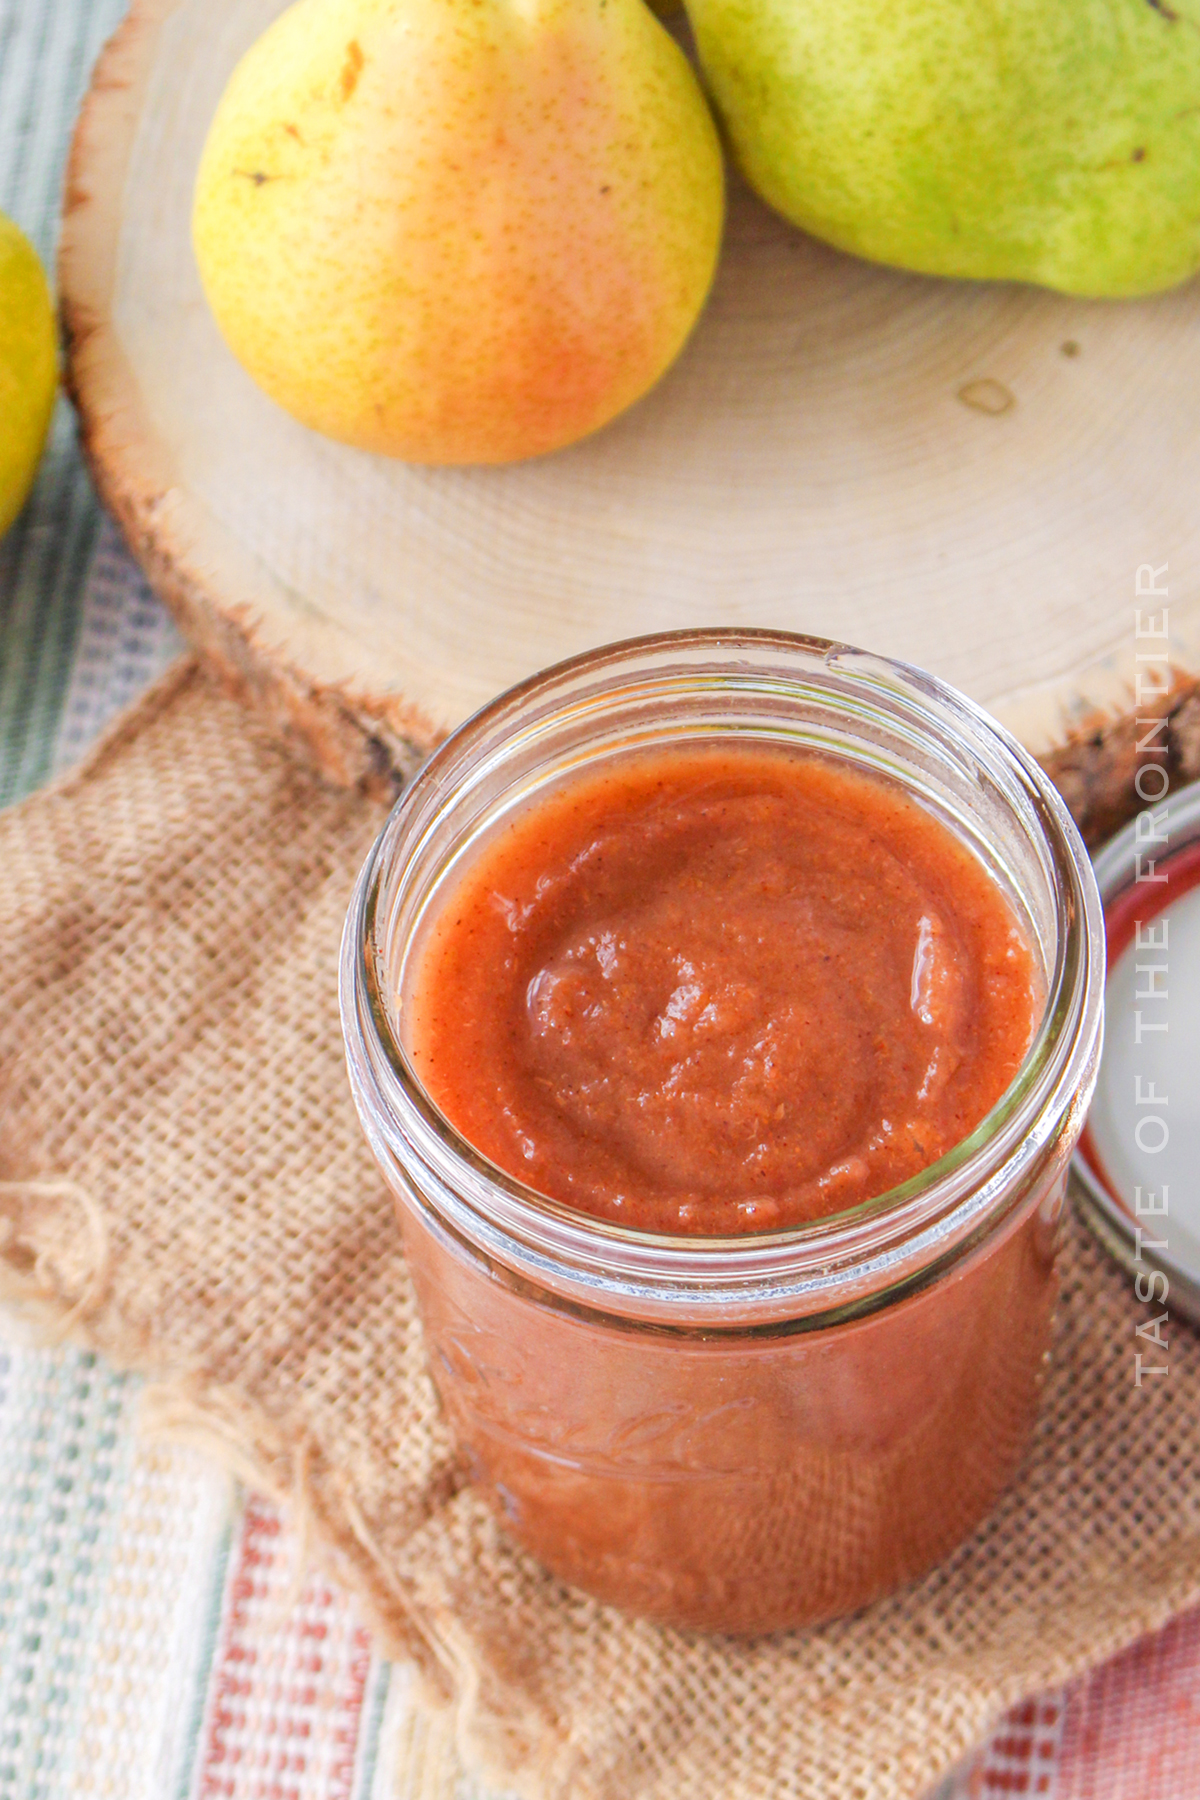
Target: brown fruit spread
{"x":722,"y":991}
{"x":710,"y":992}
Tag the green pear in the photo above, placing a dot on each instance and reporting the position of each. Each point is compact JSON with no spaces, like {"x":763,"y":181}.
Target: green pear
{"x":1050,"y":141}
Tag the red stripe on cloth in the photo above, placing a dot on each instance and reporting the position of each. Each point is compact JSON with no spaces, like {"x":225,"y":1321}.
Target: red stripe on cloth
{"x":1131,"y":1729}
{"x":285,"y":1700}
{"x":1020,"y":1758}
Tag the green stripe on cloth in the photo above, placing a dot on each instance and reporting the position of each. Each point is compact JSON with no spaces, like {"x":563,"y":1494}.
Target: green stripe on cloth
{"x":43,"y":566}
{"x":47,"y":48}
{"x":113,"y":1550}
{"x":65,"y":1461}
{"x":372,"y":1726}
{"x":185,"y":1770}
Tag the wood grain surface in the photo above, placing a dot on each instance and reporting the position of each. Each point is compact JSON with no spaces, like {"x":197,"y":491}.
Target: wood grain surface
{"x":966,"y":476}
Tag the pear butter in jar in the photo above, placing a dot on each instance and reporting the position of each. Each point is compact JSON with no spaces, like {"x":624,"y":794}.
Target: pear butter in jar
{"x":723,"y":1009}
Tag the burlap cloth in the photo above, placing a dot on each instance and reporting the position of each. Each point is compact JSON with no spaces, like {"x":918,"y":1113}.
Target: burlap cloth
{"x":185,"y":1183}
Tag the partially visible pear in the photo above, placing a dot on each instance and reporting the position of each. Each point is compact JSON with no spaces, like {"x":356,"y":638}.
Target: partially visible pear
{"x":28,"y":368}
{"x":1050,"y":141}
{"x":459,"y":231}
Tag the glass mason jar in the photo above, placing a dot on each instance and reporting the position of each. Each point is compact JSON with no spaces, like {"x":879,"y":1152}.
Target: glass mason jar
{"x":761,"y":1431}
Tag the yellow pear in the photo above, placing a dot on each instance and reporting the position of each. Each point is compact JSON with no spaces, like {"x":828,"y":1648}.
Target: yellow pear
{"x":459,"y":231}
{"x":28,"y":368}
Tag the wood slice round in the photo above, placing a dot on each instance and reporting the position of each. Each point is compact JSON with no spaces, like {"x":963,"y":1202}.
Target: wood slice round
{"x":967,"y":476}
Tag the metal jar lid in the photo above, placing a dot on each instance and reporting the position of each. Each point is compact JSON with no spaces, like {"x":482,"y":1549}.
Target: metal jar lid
{"x":1138,"y":1162}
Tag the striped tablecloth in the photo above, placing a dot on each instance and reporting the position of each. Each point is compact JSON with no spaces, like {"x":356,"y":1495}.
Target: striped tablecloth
{"x":158,"y":1640}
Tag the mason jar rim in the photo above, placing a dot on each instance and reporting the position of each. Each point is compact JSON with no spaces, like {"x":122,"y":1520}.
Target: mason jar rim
{"x":894,"y":1242}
